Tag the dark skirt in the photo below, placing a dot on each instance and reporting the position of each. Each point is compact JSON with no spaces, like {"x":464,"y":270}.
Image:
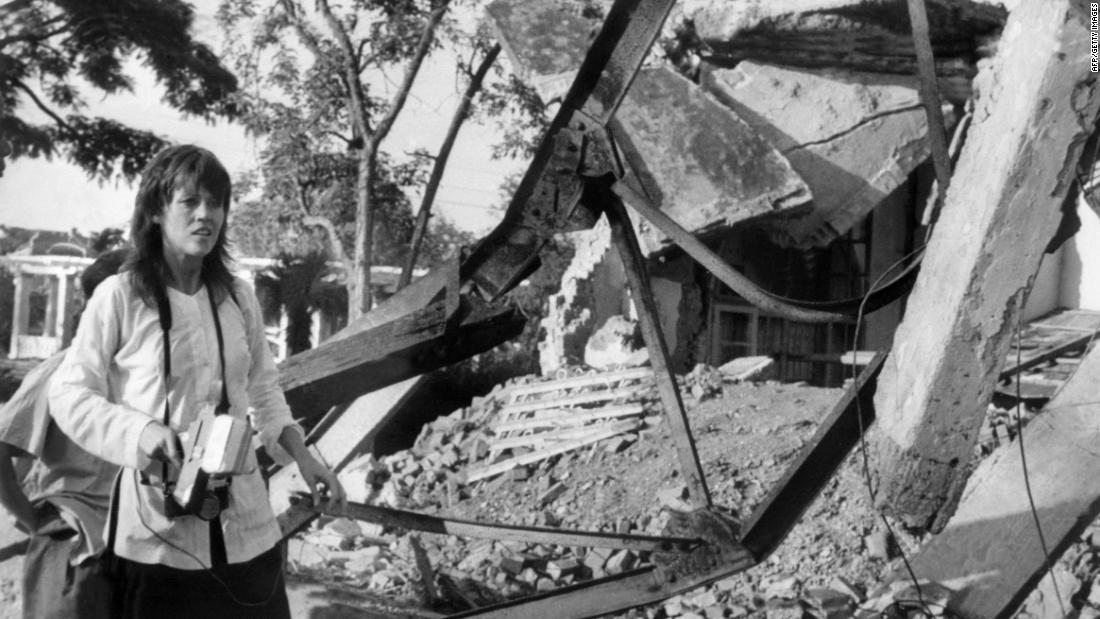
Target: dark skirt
{"x":240,"y":590}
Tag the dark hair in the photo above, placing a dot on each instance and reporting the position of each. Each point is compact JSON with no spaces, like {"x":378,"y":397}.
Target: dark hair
{"x":105,"y":265}
{"x":171,"y":168}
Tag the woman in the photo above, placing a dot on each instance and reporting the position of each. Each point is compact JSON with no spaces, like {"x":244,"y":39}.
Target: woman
{"x":118,"y":395}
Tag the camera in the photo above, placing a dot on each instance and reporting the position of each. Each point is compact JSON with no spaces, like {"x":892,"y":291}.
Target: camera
{"x":215,"y":448}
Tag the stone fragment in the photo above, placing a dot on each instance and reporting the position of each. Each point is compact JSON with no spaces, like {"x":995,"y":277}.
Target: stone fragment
{"x":704,"y":599}
{"x":562,"y":567}
{"x":747,"y":368}
{"x":674,"y":498}
{"x":878,"y":545}
{"x":596,"y":558}
{"x":830,"y":604}
{"x":784,"y":588}
{"x":852,"y":590}
{"x":673,"y":606}
{"x":621,"y":561}
{"x":616,"y":344}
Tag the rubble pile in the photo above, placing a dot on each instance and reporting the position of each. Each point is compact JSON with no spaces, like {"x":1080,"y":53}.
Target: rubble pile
{"x":746,"y":434}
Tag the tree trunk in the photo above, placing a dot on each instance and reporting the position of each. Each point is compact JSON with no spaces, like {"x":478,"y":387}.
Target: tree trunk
{"x":1001,"y":211}
{"x":440,"y":165}
{"x":359,"y":290}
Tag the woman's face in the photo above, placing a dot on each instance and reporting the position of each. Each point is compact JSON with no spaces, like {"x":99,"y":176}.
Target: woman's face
{"x":191,"y":222}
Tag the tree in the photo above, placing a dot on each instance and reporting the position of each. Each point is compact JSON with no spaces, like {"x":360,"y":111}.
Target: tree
{"x":331,"y":104}
{"x":297,"y":286}
{"x":105,"y":240}
{"x":48,"y":48}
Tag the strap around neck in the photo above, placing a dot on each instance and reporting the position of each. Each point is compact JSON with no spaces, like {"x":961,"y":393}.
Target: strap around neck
{"x":164,"y":311}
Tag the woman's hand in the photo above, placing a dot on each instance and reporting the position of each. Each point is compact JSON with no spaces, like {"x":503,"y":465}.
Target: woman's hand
{"x":159,"y":442}
{"x":317,"y":475}
{"x":313,"y":472}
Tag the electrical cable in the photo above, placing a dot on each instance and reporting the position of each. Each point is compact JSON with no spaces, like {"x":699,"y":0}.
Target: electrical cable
{"x":1027,"y":478}
{"x":203,"y":566}
{"x":923,"y":606}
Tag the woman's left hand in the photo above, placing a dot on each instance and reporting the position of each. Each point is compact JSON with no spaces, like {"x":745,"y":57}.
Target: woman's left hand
{"x":313,"y":471}
{"x":318,"y":477}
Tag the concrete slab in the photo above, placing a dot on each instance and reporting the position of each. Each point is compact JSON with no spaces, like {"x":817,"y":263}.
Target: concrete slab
{"x":854,"y":138}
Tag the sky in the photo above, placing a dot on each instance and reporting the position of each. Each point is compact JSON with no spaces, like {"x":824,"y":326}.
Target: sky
{"x":55,"y":195}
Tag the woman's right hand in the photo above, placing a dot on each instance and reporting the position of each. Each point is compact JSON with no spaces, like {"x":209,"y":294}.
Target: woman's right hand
{"x":159,"y":442}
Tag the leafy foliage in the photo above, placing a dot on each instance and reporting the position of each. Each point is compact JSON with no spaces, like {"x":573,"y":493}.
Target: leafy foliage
{"x":312,"y":163}
{"x":105,"y":240}
{"x":298,"y":285}
{"x":50,"y":51}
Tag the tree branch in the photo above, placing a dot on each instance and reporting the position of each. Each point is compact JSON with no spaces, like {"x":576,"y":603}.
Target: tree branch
{"x":351,"y":68}
{"x":460,"y":115}
{"x":31,"y":37}
{"x":42,"y":106}
{"x":304,"y":34}
{"x":427,"y":35}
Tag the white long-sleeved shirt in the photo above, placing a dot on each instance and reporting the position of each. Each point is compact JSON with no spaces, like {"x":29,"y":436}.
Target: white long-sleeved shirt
{"x":111,"y":385}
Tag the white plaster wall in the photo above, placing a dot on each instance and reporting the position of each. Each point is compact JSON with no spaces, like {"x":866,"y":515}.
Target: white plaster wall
{"x":666,"y":295}
{"x":888,"y":237}
{"x":1080,"y":281}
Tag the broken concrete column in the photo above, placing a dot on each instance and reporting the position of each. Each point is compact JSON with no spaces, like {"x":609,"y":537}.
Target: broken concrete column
{"x":854,"y":138}
{"x":1039,"y":103}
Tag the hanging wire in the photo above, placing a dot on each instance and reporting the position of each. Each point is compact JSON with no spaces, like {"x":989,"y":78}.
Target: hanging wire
{"x":921,"y":604}
{"x":1023,"y":463}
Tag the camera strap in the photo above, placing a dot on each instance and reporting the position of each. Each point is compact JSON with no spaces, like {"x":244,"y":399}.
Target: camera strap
{"x":218,"y":556}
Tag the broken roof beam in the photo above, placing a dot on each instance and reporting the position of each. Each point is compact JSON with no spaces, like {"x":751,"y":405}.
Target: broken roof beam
{"x":426,"y":326}
{"x":856,"y":35}
{"x":695,"y":158}
{"x":1000,"y":212}
{"x":990,"y":553}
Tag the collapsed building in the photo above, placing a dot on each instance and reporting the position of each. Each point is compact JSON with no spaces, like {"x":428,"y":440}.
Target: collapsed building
{"x":845,"y":209}
{"x":795,"y":149}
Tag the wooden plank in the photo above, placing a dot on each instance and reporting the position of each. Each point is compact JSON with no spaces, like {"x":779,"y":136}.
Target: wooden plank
{"x":539,"y":438}
{"x":469,"y":528}
{"x":637,"y":277}
{"x":999,"y":215}
{"x":1078,"y":320}
{"x":336,"y":441}
{"x":350,"y":431}
{"x":990,"y":552}
{"x":568,"y":418}
{"x":577,"y":382}
{"x":576,"y":400}
{"x":1035,"y":358}
{"x":535,"y":456}
{"x":340,"y":370}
